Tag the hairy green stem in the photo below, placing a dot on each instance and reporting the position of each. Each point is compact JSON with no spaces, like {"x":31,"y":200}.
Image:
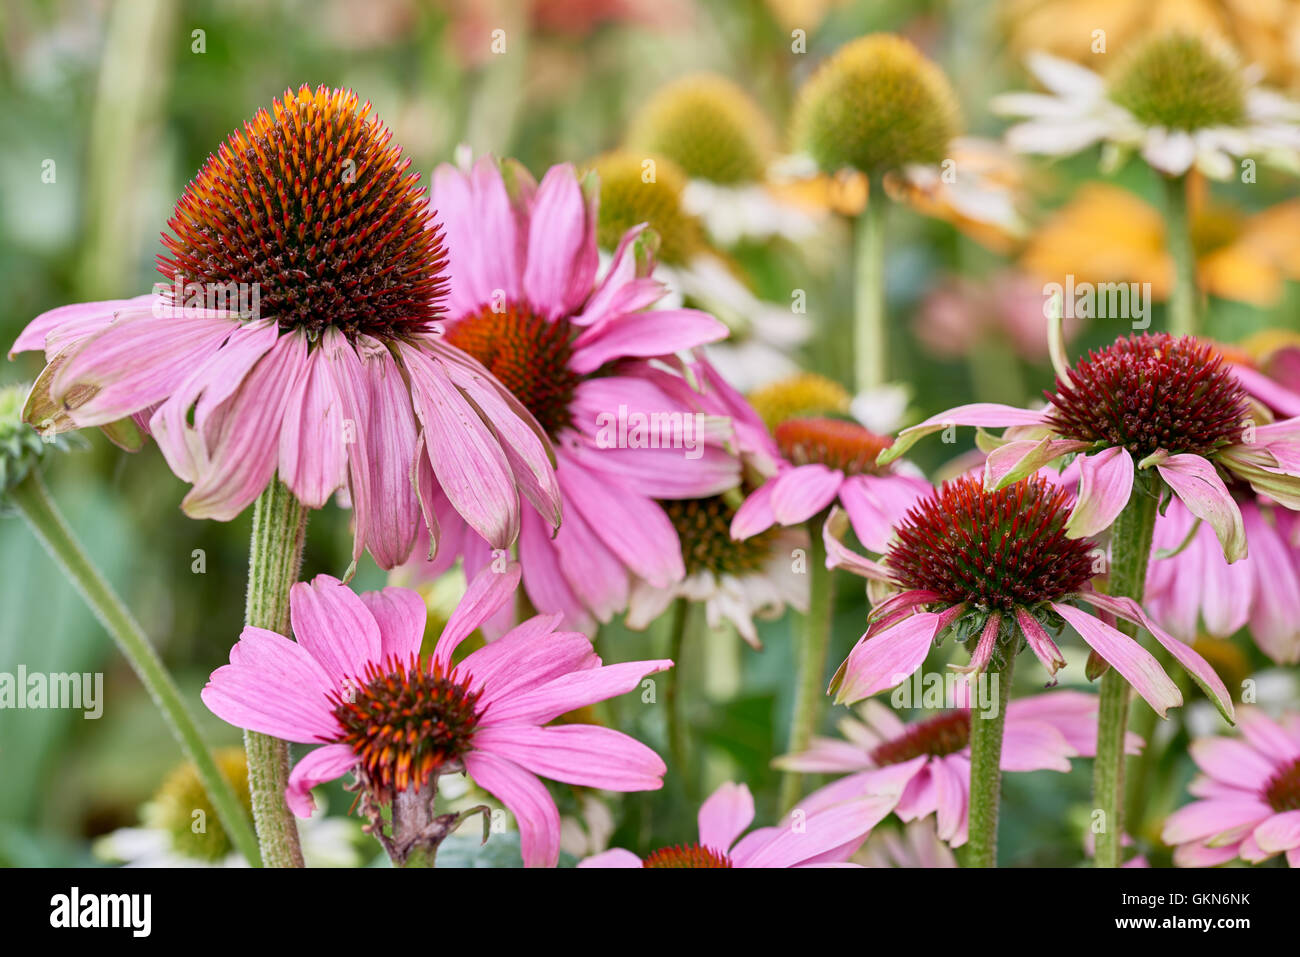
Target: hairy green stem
{"x":986,"y":766}
{"x":1183,"y":318}
{"x":870,"y":332}
{"x":33,"y":501}
{"x":1130,"y":550}
{"x":678,"y":744}
{"x":274,"y":559}
{"x":813,"y":649}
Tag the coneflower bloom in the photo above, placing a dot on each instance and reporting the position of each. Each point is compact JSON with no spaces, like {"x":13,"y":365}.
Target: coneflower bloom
{"x":1042,"y":733}
{"x":1148,"y":401}
{"x":828,"y":460}
{"x":572,"y":348}
{"x":995,"y":568}
{"x":916,"y":847}
{"x":825,"y":838}
{"x":736,"y":581}
{"x":354,"y":683}
{"x":1189,"y":585}
{"x":1249,"y":796}
{"x":296,"y":333}
{"x":1182,"y":101}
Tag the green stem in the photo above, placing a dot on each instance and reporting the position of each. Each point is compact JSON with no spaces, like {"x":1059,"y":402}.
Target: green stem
{"x":274,"y":558}
{"x":870,"y":332}
{"x":1183,"y":319}
{"x":1130,"y":550}
{"x":678,"y":744}
{"x":813,"y":649}
{"x":33,"y":500}
{"x":986,"y":767}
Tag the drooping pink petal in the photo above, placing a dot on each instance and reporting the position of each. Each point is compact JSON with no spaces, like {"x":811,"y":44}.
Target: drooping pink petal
{"x":528,"y":800}
{"x":1126,"y":656}
{"x":1195,"y":665}
{"x":1105,"y":484}
{"x":466,"y":457}
{"x":1040,"y":642}
{"x":724,"y":816}
{"x":1275,"y":610}
{"x":471,"y":205}
{"x":63,"y":326}
{"x":1198,"y":485}
{"x":313,"y":452}
{"x":353,"y":386}
{"x":888,"y":658}
{"x":951,"y":798}
{"x":316,"y":767}
{"x":581,"y":754}
{"x":838,"y":555}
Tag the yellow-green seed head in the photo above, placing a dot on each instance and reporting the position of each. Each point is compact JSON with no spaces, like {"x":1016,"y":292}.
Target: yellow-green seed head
{"x":805,"y":395}
{"x":875,"y":106}
{"x":181,"y":808}
{"x":637,"y":188}
{"x":1181,"y":82}
{"x":709,"y":126}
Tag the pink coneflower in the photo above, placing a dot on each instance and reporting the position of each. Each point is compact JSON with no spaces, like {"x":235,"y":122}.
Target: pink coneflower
{"x":1149,"y":401}
{"x":827,"y":837}
{"x":329,"y":370}
{"x":574,"y":350}
{"x":354,"y":682}
{"x":998,"y":567}
{"x":1191,"y":590}
{"x":918,"y":846}
{"x":1249,"y":794}
{"x":829,"y":460}
{"x":1190,"y":586}
{"x":1042,"y":733}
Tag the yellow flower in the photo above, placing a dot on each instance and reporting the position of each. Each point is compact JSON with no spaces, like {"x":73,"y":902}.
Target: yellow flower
{"x":1107,"y":234}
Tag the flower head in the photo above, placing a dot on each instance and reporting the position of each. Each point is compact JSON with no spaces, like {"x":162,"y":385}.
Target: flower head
{"x":824,"y":460}
{"x":1179,"y":99}
{"x":1248,"y":794}
{"x":586,"y":354}
{"x":1043,"y":732}
{"x":997,"y":570}
{"x":709,"y":126}
{"x":827,"y":837}
{"x":1148,"y":402}
{"x":297,"y":335}
{"x":803,"y":395}
{"x":354,"y":683}
{"x":636,"y":189}
{"x":876,"y":105}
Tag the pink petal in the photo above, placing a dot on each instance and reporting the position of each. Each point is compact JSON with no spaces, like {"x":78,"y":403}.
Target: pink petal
{"x":1198,"y":485}
{"x":1195,"y":665}
{"x":1266,"y":736}
{"x":876,"y":504}
{"x":401,"y":616}
{"x":488,"y":591}
{"x":644,"y":335}
{"x":313,"y":457}
{"x":986,"y":414}
{"x":332,"y":623}
{"x":525,"y":658}
{"x":321,"y":765}
{"x":1105,"y":484}
{"x":800,"y":493}
{"x":1126,"y":656}
{"x":527,"y":799}
{"x":725,"y":815}
{"x":562,"y":257}
{"x":1233,"y":762}
{"x":1281,"y":832}
{"x":1204,"y":819}
{"x":615,"y":857}
{"x":484,"y":247}
{"x":581,"y":754}
{"x":888,"y":658}
{"x":755,"y":514}
{"x":1009,"y":463}
{"x":72,"y":323}
{"x":1040,"y":642}
{"x":568,"y":692}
